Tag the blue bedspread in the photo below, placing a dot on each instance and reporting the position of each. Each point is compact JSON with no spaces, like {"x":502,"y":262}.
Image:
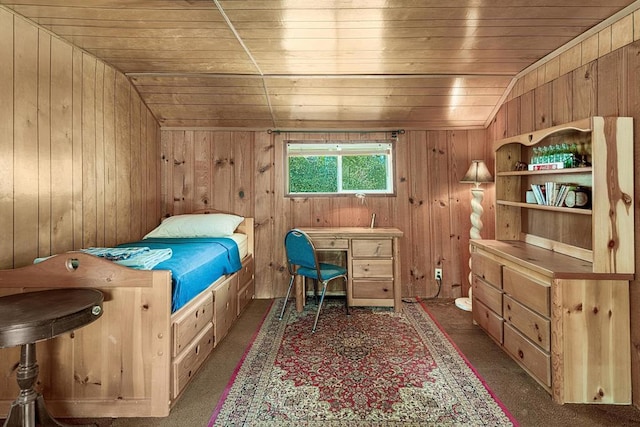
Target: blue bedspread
{"x":195,"y":264}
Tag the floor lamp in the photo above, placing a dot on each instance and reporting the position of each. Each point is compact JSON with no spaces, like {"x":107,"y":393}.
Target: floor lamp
{"x":477,"y":174}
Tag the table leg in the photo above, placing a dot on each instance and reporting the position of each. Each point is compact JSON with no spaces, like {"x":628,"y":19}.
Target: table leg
{"x":29,"y":410}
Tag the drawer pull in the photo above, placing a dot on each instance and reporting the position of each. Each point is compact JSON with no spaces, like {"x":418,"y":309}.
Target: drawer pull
{"x":198,"y":349}
{"x":520,"y":354}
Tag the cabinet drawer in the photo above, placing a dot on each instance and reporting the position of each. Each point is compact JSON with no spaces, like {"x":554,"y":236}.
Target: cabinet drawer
{"x":529,"y":323}
{"x":371,"y":248}
{"x":536,"y":361}
{"x":189,"y":323}
{"x":188,"y":362}
{"x":531,"y":293}
{"x":487,"y":319}
{"x":486,"y":293}
{"x":487,"y":269}
{"x":382,"y":268}
{"x":375,"y":289}
{"x":246,"y":272}
{"x":326,"y":243}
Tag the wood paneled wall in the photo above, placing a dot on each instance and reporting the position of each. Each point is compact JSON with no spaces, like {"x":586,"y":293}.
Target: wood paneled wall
{"x":78,"y":149}
{"x":243,"y":172}
{"x":607,"y":86}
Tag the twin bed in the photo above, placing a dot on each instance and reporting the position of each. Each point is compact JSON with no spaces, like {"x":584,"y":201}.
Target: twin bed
{"x":157,"y":328}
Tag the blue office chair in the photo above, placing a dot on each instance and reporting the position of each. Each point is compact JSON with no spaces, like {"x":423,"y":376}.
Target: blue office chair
{"x":302,"y":260}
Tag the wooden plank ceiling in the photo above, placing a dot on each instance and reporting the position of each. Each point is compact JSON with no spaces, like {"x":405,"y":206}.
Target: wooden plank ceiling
{"x":321,"y":64}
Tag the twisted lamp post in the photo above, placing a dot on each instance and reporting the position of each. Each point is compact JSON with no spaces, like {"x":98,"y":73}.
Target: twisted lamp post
{"x":477,"y":174}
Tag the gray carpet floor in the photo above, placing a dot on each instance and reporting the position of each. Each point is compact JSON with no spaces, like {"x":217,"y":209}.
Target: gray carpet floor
{"x":529,"y":403}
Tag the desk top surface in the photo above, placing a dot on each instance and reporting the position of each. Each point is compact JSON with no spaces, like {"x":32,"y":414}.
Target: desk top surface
{"x":34,"y":316}
{"x":352,"y":231}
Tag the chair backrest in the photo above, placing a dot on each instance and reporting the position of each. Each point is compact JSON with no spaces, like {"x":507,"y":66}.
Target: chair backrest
{"x":300,"y":250}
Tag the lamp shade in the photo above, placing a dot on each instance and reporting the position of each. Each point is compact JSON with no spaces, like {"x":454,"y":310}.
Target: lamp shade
{"x":477,"y":173}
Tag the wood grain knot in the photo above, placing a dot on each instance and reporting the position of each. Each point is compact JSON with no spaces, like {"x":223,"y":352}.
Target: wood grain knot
{"x":611,"y":244}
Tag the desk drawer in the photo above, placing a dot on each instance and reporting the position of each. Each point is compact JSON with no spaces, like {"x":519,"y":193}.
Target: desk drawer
{"x":536,"y":361}
{"x":531,"y":293}
{"x":529,"y":323}
{"x":328,"y":243}
{"x":364,"y":268}
{"x":375,"y":289}
{"x":188,"y":362}
{"x":371,"y":248}
{"x":486,"y":293}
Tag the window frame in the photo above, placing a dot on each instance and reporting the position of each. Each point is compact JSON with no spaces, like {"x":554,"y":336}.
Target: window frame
{"x":391,"y":165}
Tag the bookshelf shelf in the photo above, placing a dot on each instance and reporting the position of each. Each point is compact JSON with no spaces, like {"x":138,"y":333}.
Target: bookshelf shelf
{"x":576,"y":211}
{"x":567,"y":171}
{"x":573,"y":231}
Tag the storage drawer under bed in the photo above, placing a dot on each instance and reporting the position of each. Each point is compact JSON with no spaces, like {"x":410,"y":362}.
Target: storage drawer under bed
{"x":189,"y":321}
{"x":188,"y":362}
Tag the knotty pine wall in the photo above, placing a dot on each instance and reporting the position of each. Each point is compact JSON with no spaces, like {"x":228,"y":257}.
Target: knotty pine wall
{"x":78,"y":149}
{"x":243,"y":172}
{"x":606,"y":86}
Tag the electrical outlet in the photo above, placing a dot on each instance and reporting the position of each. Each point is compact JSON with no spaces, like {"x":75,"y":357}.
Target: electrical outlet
{"x":438,"y":274}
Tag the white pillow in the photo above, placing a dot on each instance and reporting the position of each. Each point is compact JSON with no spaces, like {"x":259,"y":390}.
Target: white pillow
{"x":197,"y":225}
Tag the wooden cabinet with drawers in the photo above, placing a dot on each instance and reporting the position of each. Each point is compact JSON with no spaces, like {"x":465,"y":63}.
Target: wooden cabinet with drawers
{"x":565,"y":325}
{"x":372,"y":262}
{"x":205,"y":321}
{"x":372,"y":272}
{"x":553,"y":289}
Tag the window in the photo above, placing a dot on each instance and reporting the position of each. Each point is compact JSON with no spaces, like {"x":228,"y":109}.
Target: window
{"x":321,"y":168}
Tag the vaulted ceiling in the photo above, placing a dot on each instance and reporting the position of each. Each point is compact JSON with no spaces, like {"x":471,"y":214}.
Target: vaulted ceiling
{"x":320,"y":64}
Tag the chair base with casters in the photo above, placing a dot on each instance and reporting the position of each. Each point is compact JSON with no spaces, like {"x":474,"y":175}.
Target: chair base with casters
{"x":302,"y":260}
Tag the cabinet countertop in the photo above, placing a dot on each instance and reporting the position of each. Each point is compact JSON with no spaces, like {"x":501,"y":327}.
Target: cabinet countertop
{"x":544,"y":261}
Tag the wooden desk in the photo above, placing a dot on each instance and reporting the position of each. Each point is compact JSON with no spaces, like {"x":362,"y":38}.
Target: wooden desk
{"x":373,"y":263}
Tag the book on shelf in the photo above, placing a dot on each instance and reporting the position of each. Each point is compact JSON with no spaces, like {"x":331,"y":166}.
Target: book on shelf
{"x":551,"y":193}
{"x":545,"y":166}
{"x":538,"y":194}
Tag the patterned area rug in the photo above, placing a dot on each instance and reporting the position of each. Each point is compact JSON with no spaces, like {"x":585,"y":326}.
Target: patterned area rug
{"x":371,"y":368}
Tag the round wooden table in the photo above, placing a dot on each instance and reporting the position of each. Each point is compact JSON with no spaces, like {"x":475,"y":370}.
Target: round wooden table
{"x":34,"y":316}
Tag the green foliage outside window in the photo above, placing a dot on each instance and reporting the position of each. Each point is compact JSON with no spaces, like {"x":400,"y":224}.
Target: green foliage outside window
{"x":337,"y":168}
{"x":313,"y":174}
{"x":361,"y":173}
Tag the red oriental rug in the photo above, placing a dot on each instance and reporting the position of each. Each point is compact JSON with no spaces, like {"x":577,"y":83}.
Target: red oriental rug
{"x":371,"y":368}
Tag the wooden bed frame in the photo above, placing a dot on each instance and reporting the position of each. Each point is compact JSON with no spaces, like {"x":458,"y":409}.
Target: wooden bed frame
{"x":135,"y":360}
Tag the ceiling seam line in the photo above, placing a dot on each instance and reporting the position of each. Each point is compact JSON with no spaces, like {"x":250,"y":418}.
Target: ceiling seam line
{"x":315,"y":76}
{"x":248,"y":52}
{"x":237,"y":36}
